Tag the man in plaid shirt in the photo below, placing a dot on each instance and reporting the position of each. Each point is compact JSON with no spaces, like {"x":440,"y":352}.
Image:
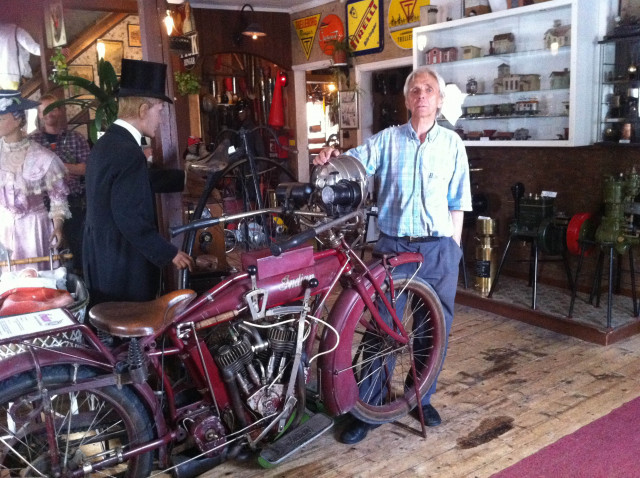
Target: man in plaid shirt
{"x":72,"y":148}
{"x":424,"y":189}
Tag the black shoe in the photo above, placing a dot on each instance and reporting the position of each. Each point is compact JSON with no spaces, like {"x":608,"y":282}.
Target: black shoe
{"x":431,"y":416}
{"x":356,"y":431}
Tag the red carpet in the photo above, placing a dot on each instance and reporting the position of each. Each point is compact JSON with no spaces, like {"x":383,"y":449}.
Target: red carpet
{"x":606,"y":448}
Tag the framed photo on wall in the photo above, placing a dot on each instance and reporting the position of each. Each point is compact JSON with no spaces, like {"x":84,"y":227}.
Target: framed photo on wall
{"x":134,"y":35}
{"x":348,"y":101}
{"x":113,"y":53}
{"x":83,"y":71}
{"x":629,"y":10}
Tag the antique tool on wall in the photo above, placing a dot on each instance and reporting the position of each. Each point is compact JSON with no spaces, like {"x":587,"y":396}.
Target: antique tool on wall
{"x":616,"y":226}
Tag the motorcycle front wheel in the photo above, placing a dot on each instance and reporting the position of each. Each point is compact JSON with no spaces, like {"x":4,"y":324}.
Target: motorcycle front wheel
{"x":90,"y":424}
{"x":383,"y":368}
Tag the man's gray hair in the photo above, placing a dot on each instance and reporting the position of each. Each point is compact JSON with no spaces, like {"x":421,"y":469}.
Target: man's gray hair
{"x":424,"y":70}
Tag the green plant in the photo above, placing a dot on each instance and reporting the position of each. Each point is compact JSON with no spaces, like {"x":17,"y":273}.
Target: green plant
{"x":103,"y":101}
{"x":342,"y":45}
{"x":187,"y":82}
{"x":60,"y":67}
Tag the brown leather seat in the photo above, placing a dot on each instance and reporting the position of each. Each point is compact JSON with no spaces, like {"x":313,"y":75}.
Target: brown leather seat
{"x":139,"y":319}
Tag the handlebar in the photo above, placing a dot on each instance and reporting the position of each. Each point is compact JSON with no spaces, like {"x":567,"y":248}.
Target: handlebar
{"x":213,"y":221}
{"x":278,"y":248}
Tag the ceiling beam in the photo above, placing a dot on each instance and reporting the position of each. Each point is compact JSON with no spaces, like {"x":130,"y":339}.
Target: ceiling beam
{"x":121,"y":6}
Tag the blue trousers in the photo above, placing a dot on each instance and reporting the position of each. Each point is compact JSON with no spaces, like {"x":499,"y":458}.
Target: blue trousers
{"x":440,"y":271}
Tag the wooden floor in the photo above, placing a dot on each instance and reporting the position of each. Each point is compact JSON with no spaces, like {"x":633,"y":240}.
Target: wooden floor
{"x":507,"y":390}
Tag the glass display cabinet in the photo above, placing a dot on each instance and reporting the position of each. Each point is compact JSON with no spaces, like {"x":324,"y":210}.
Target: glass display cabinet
{"x":529,"y":73}
{"x":619,"y":118}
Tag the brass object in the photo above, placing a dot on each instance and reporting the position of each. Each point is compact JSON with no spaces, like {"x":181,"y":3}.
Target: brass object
{"x":486,"y":254}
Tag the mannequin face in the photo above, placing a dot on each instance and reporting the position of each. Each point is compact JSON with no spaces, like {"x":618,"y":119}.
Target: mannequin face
{"x":150,"y":116}
{"x":10,"y":128}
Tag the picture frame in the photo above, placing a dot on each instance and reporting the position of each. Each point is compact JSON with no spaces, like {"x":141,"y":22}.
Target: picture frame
{"x":82,"y":71}
{"x":629,"y":9}
{"x":133,"y":34}
{"x":55,"y":31}
{"x":348,"y":101}
{"x":113,"y":53}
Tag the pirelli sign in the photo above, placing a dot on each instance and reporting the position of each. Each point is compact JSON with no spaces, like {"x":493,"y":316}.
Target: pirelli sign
{"x":365,"y":25}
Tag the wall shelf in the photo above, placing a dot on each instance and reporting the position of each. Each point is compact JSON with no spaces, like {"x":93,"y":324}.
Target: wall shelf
{"x":534,"y":70}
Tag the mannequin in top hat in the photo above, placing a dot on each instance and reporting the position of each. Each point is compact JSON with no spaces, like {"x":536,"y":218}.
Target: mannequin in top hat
{"x":28,"y":172}
{"x":123,"y":252}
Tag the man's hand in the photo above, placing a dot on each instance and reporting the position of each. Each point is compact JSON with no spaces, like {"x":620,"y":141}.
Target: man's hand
{"x":182,"y":260}
{"x":325,"y":155}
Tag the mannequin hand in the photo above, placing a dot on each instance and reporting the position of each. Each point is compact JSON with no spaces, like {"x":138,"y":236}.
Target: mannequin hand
{"x":182,"y":260}
{"x":325,"y":155}
{"x":55,"y":241}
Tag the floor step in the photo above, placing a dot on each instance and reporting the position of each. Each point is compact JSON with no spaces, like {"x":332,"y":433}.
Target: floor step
{"x":296,"y":439}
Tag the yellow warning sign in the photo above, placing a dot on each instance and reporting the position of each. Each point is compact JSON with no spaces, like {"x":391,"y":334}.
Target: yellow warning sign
{"x":306,"y":29}
{"x":403,"y":17}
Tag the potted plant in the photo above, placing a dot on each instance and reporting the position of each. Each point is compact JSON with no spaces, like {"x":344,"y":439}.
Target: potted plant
{"x":103,"y":101}
{"x":187,"y":83}
{"x":341,"y":50}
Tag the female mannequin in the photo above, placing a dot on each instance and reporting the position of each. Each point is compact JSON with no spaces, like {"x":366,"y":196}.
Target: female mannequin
{"x":28,"y":174}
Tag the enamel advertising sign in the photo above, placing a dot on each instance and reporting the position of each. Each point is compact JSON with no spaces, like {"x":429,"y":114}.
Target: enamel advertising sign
{"x":403,"y":17}
{"x":365,"y":26}
{"x":306,"y":29}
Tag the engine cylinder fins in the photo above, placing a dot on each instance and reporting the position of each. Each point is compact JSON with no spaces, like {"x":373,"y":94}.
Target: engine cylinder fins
{"x":233,"y":357}
{"x":282,"y":339}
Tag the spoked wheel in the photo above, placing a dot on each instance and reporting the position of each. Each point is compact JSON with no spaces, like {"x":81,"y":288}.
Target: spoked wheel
{"x":240,"y":194}
{"x":90,"y":425}
{"x":383,"y":367}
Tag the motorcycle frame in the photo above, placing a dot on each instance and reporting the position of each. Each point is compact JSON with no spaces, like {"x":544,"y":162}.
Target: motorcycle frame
{"x":223,"y":303}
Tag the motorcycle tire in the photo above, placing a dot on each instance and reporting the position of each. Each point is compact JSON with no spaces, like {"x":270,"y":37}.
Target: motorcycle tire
{"x":92,"y":424}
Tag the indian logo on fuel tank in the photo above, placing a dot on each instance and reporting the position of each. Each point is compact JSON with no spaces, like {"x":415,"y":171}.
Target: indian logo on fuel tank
{"x":289,"y":283}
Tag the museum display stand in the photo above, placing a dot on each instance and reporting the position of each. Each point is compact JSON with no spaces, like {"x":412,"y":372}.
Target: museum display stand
{"x":529,"y":73}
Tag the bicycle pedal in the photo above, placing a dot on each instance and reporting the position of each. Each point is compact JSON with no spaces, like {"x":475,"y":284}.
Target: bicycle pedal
{"x":295,"y":439}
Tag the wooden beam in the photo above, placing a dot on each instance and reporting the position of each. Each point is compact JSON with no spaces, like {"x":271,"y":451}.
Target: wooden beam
{"x":79,"y":46}
{"x":120,"y":6}
{"x":88,"y":37}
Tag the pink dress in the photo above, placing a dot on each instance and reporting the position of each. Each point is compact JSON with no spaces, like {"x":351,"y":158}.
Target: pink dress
{"x":28,"y":173}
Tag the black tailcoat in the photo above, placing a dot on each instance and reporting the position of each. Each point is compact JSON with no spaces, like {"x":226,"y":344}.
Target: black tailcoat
{"x":123,"y":252}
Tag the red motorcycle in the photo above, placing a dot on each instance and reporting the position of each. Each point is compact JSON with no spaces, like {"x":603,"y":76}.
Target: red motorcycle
{"x":182,"y":383}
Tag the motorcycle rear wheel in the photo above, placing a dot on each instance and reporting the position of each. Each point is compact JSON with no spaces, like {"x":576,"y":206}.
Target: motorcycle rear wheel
{"x":383,"y":367}
{"x":91,"y":424}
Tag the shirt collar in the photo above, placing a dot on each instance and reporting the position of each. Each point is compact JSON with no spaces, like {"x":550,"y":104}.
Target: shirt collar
{"x":131,"y":129}
{"x":431,"y":134}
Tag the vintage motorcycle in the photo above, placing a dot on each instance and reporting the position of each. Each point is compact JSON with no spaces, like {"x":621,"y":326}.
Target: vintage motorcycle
{"x":182,"y":383}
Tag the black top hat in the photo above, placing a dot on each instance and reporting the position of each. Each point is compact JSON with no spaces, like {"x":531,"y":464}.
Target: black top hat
{"x":143,"y":78}
{"x":12,"y":100}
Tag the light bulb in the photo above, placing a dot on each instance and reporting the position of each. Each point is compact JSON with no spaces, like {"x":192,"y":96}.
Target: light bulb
{"x":168,"y":22}
{"x":101,"y":49}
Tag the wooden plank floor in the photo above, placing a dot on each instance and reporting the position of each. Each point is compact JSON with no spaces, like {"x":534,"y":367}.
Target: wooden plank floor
{"x":507,"y":390}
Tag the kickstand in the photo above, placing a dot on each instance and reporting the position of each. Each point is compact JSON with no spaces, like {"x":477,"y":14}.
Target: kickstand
{"x":417,"y":390}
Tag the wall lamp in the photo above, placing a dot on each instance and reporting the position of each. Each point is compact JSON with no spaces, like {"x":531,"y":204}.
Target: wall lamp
{"x":252,"y":29}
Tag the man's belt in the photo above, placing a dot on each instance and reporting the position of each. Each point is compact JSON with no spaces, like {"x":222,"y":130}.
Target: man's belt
{"x":413,"y":238}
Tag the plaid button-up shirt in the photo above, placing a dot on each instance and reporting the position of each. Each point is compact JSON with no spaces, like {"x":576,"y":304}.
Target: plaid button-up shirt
{"x":418,"y":183}
{"x":71,"y":148}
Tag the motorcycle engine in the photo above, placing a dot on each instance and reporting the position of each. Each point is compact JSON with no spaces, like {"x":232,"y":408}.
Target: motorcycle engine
{"x":342,"y":184}
{"x":258,"y":363}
